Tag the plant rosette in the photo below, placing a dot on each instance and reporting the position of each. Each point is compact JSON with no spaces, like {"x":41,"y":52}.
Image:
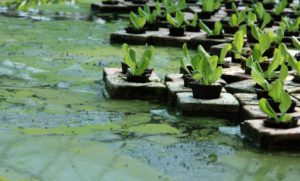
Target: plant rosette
{"x":201,"y":91}
{"x":110,"y":2}
{"x":272,"y":123}
{"x":137,"y":24}
{"x":176,"y":24}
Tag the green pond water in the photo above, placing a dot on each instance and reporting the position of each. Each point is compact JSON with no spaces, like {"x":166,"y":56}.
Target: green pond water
{"x":57,"y":122}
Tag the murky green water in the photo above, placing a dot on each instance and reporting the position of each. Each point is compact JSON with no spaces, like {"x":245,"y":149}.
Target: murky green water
{"x":57,"y":122}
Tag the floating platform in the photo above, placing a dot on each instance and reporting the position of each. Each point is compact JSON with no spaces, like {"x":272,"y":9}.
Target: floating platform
{"x":270,"y":138}
{"x":226,"y":106}
{"x":118,"y":88}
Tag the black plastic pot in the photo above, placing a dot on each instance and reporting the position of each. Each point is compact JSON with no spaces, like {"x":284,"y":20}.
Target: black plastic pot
{"x":250,"y":38}
{"x":206,"y":91}
{"x":221,"y":36}
{"x":297,"y":56}
{"x":139,"y":1}
{"x":270,"y":52}
{"x":152,"y":26}
{"x":189,"y":67}
{"x":110,"y":2}
{"x":296,"y":78}
{"x":132,"y":30}
{"x":187,"y":80}
{"x":205,"y":15}
{"x":140,"y":78}
{"x":229,"y":29}
{"x":272,"y":123}
{"x":192,"y":29}
{"x":292,"y":33}
{"x":260,"y":93}
{"x":124,"y":67}
{"x":276,"y":17}
{"x":228,"y":5}
{"x":176,"y":31}
{"x":268,"y":6}
{"x":191,"y":1}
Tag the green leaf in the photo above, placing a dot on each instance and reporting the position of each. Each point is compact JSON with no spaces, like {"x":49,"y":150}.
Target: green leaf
{"x":255,"y":32}
{"x":233,"y":21}
{"x":224,"y":52}
{"x":267,"y":109}
{"x":258,"y":77}
{"x":238,"y":41}
{"x":285,"y":102}
{"x":280,"y":7}
{"x":285,"y":118}
{"x":284,"y":72}
{"x":217,"y":28}
{"x":204,"y":27}
{"x":266,"y":20}
{"x":264,"y":42}
{"x":274,"y":64}
{"x":296,"y":42}
{"x":276,"y":89}
{"x":137,"y":22}
{"x":215,"y":75}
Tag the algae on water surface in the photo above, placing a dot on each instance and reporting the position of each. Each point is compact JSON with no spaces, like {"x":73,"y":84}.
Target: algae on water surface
{"x":58,"y":124}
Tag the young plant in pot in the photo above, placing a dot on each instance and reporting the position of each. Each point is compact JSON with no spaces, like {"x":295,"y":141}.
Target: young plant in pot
{"x":263,"y":79}
{"x":216,"y":33}
{"x":137,"y":24}
{"x":172,"y":6}
{"x":137,"y":70}
{"x":279,"y":120}
{"x":235,"y":21}
{"x":192,"y":26}
{"x":224,"y":51}
{"x":264,"y":18}
{"x":277,"y":11}
{"x":291,"y":28}
{"x":177,"y":24}
{"x":208,"y":9}
{"x":151,"y":21}
{"x":238,"y":51}
{"x":250,"y":22}
{"x":206,"y":75}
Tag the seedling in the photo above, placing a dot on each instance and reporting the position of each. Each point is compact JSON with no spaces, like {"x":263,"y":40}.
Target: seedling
{"x":171,"y":6}
{"x":215,"y":32}
{"x":137,"y":68}
{"x":264,"y":78}
{"x":178,"y":21}
{"x":262,"y":14}
{"x":280,"y":7}
{"x":210,"y":6}
{"x":227,"y":47}
{"x":289,"y":25}
{"x":136,"y":21}
{"x":237,"y":18}
{"x":296,"y":42}
{"x":194,"y":22}
{"x":146,"y":13}
{"x":207,"y":72}
{"x":280,"y":96}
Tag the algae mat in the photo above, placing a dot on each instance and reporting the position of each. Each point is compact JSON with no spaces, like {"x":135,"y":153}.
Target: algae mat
{"x":57,"y":122}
